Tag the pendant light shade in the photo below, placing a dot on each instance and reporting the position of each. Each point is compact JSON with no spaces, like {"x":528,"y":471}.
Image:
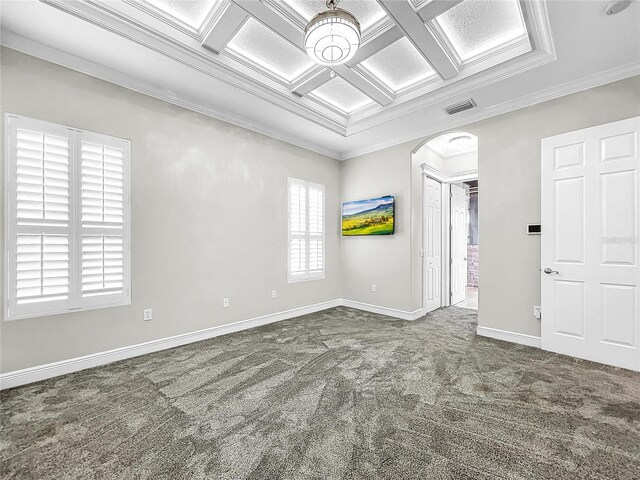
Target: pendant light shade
{"x":332,"y":37}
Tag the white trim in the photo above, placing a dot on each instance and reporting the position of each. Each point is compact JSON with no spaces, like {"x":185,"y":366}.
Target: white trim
{"x":50,"y":370}
{"x":38,"y":50}
{"x":58,"y":57}
{"x":25,"y":376}
{"x":512,"y":337}
{"x":585,"y":83}
{"x":390,"y":312}
{"x":440,"y":176}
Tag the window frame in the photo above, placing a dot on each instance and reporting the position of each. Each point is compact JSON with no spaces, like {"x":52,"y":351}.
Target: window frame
{"x":74,"y":302}
{"x":307,"y":276}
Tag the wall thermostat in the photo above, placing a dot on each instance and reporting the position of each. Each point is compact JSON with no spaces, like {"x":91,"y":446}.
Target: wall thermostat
{"x":534,"y":229}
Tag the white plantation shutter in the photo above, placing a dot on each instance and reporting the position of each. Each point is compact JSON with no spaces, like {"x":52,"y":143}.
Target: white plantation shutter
{"x":46,"y":231}
{"x":306,"y":230}
{"x":102,"y":225}
{"x":316,"y":229}
{"x":38,"y":228}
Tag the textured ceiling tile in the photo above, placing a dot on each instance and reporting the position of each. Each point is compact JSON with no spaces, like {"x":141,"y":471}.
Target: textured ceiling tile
{"x":342,"y":95}
{"x":368,"y":12}
{"x":399,"y":65}
{"x":477,"y":26}
{"x":262,"y":46}
{"x":191,"y":12}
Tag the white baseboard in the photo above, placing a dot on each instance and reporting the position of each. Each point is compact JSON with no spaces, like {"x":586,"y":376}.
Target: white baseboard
{"x":50,"y":370}
{"x":55,"y":369}
{"x":512,"y":337}
{"x":391,"y":312}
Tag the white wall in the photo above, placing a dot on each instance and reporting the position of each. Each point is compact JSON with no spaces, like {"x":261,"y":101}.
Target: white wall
{"x":208,"y":216}
{"x":509,"y":172}
{"x":455,"y":164}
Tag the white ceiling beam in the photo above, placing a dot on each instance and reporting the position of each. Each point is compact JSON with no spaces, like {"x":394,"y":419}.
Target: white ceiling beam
{"x":225,"y":28}
{"x":431,"y":10}
{"x":273,"y":20}
{"x":363,"y":84}
{"x":375,"y":45}
{"x":414,"y":28}
{"x":308,"y":84}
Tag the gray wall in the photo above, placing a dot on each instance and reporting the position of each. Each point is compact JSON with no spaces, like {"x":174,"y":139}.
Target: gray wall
{"x":509,"y":173}
{"x":193,"y":176}
{"x":208,"y":216}
{"x":381,"y":260}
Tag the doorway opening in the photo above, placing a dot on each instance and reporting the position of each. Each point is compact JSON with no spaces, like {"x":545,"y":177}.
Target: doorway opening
{"x":449,"y":164}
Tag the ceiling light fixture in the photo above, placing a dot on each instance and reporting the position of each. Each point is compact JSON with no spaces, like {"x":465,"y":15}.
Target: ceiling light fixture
{"x":460,"y":139}
{"x":617,"y":6}
{"x":332,"y":37}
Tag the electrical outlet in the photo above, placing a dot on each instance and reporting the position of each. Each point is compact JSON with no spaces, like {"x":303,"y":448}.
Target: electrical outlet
{"x":225,"y":302}
{"x":536,"y":312}
{"x":147,"y":314}
{"x":274,"y":294}
{"x":373,"y":287}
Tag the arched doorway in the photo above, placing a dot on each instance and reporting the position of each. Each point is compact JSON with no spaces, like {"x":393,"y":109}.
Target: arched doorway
{"x":449,"y":164}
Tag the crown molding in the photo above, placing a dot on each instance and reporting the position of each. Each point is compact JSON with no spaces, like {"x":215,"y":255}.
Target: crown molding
{"x":123,"y":20}
{"x":497,"y":65}
{"x":601,"y":78}
{"x":221,"y":67}
{"x":49,"y":54}
{"x":44,"y":52}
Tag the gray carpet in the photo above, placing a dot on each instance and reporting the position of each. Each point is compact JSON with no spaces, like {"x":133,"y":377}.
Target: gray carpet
{"x":338,"y":394}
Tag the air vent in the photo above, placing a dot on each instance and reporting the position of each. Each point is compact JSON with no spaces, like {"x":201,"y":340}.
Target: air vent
{"x":459,"y":107}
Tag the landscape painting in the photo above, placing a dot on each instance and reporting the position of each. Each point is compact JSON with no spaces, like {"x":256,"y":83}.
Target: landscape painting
{"x":368,"y":217}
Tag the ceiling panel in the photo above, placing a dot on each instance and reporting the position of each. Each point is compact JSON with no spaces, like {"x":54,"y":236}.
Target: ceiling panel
{"x":341,"y":95}
{"x":475,"y":27}
{"x":267,"y":49}
{"x":191,"y":12}
{"x":368,"y":12}
{"x":399,"y":65}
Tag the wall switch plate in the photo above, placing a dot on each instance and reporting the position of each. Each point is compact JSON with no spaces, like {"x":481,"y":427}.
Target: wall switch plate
{"x":537,"y":312}
{"x":225,"y":302}
{"x":373,"y":287}
{"x":274,"y":294}
{"x":147,"y":314}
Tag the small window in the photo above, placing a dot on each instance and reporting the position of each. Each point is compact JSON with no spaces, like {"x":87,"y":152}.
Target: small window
{"x":306,"y":230}
{"x":67,"y":228}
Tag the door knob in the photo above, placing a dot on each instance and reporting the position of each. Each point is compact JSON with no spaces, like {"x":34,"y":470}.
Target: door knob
{"x":548,"y":271}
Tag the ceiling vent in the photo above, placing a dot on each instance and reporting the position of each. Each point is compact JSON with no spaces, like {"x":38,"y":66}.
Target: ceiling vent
{"x":460,"y":107}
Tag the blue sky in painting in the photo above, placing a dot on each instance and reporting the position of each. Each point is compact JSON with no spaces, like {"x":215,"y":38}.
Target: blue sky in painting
{"x":349,"y":208}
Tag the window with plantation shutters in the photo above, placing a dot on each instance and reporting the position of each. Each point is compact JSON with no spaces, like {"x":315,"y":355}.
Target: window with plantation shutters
{"x":306,"y":230}
{"x":67,"y":228}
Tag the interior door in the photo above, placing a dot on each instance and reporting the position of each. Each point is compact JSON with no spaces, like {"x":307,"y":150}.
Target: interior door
{"x":459,"y":233}
{"x":590,"y":218}
{"x":433,"y":243}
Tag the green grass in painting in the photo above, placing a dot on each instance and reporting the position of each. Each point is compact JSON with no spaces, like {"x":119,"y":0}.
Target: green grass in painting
{"x":378,"y":221}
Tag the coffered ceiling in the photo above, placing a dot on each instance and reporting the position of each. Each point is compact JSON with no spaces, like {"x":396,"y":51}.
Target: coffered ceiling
{"x":244,"y":61}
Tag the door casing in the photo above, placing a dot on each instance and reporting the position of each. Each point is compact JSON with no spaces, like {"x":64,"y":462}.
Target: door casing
{"x":445,"y":289}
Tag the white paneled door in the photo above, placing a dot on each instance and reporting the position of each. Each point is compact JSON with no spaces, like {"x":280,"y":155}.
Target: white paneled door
{"x":433,"y":243}
{"x":590,"y":218}
{"x":459,"y":238}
